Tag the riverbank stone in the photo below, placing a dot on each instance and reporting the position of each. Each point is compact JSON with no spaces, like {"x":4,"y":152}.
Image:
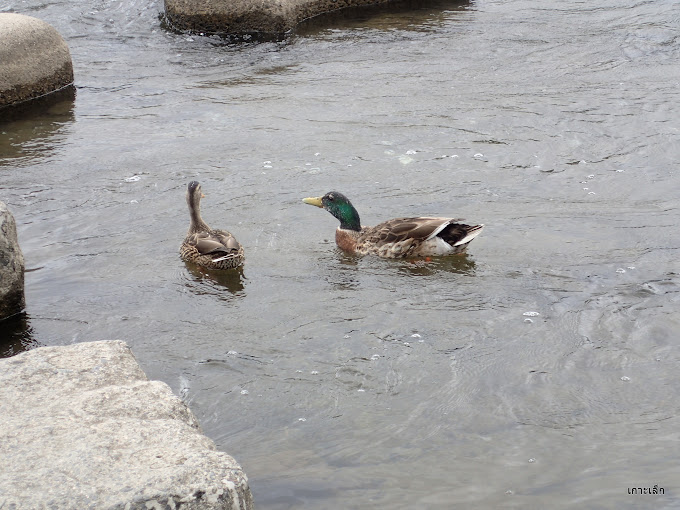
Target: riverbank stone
{"x":11,"y":266}
{"x":83,"y":427}
{"x":34,"y":59}
{"x":249,"y":17}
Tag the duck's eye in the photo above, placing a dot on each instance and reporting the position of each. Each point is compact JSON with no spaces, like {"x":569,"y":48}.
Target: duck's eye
{"x":331,"y":197}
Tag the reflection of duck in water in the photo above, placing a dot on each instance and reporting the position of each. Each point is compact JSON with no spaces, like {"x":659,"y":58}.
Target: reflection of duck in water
{"x":207,"y":281}
{"x":397,"y":238}
{"x":212,"y":249}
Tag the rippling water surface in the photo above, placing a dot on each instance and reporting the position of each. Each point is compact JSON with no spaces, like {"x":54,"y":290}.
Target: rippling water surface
{"x":538,"y":371}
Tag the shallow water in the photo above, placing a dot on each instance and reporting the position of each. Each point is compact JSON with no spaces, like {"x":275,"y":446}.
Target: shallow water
{"x":363,"y":383}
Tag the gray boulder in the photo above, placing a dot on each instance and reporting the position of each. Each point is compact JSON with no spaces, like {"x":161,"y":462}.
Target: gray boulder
{"x":83,"y":428}
{"x":34,"y":59}
{"x":239,"y":17}
{"x":11,"y":266}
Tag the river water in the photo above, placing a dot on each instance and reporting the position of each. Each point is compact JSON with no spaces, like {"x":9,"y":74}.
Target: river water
{"x":538,"y":371}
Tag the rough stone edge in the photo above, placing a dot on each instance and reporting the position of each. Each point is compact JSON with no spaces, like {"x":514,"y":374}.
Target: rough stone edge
{"x":237,"y":495}
{"x":255,"y":20}
{"x":62,"y":78}
{"x":14,"y":302}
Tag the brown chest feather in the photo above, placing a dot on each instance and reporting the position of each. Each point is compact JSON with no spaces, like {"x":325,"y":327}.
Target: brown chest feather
{"x":345,"y":240}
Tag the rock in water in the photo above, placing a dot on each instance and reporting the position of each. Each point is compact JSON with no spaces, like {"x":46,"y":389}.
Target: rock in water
{"x":34,"y":59}
{"x":11,"y":266}
{"x":83,"y":427}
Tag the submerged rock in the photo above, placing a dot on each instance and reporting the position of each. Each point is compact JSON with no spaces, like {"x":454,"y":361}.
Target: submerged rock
{"x":241,"y":17}
{"x":34,"y":59}
{"x":11,"y":266}
{"x":83,"y":427}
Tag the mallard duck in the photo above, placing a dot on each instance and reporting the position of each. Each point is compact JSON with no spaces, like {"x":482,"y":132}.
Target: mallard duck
{"x":397,"y":238}
{"x":212,"y":249}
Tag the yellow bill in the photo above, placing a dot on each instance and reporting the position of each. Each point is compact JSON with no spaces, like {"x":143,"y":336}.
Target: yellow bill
{"x":313,"y":201}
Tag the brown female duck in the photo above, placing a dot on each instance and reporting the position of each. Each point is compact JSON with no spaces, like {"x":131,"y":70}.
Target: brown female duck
{"x":204,"y":246}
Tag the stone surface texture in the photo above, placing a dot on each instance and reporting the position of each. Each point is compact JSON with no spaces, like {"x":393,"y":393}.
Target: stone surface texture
{"x":34,"y":59}
{"x":238,"y":17}
{"x":83,"y":428}
{"x":11,"y":266}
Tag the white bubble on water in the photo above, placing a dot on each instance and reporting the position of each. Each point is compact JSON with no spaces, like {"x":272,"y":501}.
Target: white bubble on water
{"x":620,"y":270}
{"x":302,"y":419}
{"x":244,"y":392}
{"x":531,"y":461}
{"x":361,"y":390}
{"x":625,"y":378}
{"x":134,"y":178}
{"x":531,"y":314}
{"x":184,"y":386}
{"x":375,"y":357}
{"x":314,"y":372}
{"x":232,"y":353}
{"x":410,"y":151}
{"x":528,"y":320}
{"x":405,"y":160}
{"x":478,"y":155}
{"x":415,"y":335}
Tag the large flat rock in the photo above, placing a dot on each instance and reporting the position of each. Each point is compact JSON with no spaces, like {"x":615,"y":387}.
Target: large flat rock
{"x":34,"y":59}
{"x":83,"y":428}
{"x":239,"y":17}
{"x":11,"y":265}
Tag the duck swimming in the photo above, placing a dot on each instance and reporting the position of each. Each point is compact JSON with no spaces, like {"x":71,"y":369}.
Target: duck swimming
{"x":204,"y":246}
{"x":396,"y":238}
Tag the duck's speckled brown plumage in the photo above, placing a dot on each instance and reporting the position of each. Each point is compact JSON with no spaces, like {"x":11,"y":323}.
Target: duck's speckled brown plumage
{"x":399,"y":237}
{"x":207,"y":247}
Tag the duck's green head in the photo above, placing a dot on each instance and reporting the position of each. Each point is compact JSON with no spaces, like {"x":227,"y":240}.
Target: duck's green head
{"x":339,"y":206}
